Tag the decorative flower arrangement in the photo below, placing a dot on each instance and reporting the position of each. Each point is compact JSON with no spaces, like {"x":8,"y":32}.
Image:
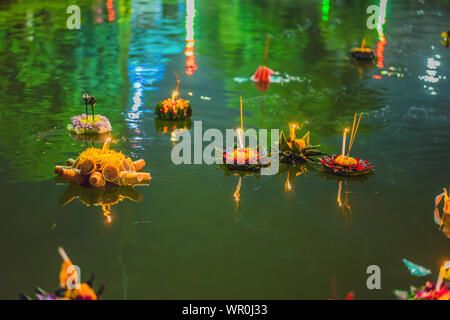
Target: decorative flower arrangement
{"x":430,"y":291}
{"x":174,"y":108}
{"x":76,"y":291}
{"x":363,"y":54}
{"x":295,"y":150}
{"x":343,"y":164}
{"x":244,"y":159}
{"x":98,"y":168}
{"x":86,"y":124}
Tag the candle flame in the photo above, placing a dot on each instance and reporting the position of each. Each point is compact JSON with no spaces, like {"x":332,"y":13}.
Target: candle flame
{"x":174,"y":95}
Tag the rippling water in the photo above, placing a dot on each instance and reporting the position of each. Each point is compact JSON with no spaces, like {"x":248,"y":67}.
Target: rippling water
{"x":186,"y":238}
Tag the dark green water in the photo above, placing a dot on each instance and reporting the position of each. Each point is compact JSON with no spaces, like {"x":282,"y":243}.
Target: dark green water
{"x":186,"y":239}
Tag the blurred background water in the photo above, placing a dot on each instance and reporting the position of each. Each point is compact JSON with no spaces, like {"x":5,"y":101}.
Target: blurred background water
{"x":186,"y":238}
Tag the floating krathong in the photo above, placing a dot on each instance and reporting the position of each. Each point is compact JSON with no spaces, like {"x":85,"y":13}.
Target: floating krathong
{"x":89,"y":124}
{"x":263,"y":73}
{"x":445,"y":38}
{"x":241,"y":158}
{"x":443,"y":221}
{"x":71,"y":287}
{"x":293,"y":150}
{"x":430,"y":291}
{"x":104,"y":167}
{"x":344,"y":165}
{"x":174,"y":108}
{"x":103,"y":197}
{"x":362,"y":53}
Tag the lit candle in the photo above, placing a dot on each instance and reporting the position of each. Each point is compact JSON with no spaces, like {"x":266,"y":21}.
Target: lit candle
{"x":292,"y":132}
{"x":174,"y":95}
{"x":240,"y":134}
{"x":343,"y":141}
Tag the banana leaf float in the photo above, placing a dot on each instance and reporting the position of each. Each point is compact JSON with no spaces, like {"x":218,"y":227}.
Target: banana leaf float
{"x":295,"y":150}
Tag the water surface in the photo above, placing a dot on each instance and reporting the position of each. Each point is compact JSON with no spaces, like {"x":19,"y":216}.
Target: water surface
{"x":186,"y":238}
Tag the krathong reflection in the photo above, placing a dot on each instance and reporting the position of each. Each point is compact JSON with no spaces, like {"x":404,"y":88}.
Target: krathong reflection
{"x":98,"y":168}
{"x":430,"y":291}
{"x":293,"y":150}
{"x":191,"y":66}
{"x":443,"y":221}
{"x":237,"y":192}
{"x":291,"y":171}
{"x":343,"y":164}
{"x":71,"y":287}
{"x":162,"y":126}
{"x":89,"y":124}
{"x":343,"y":193}
{"x":104,"y":198}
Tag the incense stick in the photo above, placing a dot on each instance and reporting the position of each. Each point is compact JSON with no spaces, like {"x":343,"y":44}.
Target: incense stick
{"x":353,"y":129}
{"x":266,"y":53}
{"x":242,"y":121}
{"x":363,"y":43}
{"x":63,"y":254}
{"x":354,"y":135}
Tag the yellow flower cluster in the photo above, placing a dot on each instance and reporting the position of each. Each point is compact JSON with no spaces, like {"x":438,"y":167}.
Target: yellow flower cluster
{"x":102,"y":157}
{"x":169,"y":104}
{"x":346,"y":161}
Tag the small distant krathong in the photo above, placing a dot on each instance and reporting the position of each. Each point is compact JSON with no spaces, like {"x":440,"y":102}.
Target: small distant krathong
{"x":362,"y":53}
{"x":98,"y":168}
{"x":89,"y":124}
{"x":71,"y":287}
{"x":293,"y":150}
{"x":445,"y":38}
{"x":343,"y":164}
{"x":174,"y":108}
{"x":242,"y":158}
{"x":262,"y":75}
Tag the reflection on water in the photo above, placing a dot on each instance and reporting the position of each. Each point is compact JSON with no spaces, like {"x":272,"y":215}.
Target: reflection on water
{"x":104,"y":197}
{"x":282,"y":244}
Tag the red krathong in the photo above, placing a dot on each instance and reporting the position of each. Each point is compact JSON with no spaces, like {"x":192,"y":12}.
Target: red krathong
{"x":262,"y":74}
{"x":362,"y":166}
